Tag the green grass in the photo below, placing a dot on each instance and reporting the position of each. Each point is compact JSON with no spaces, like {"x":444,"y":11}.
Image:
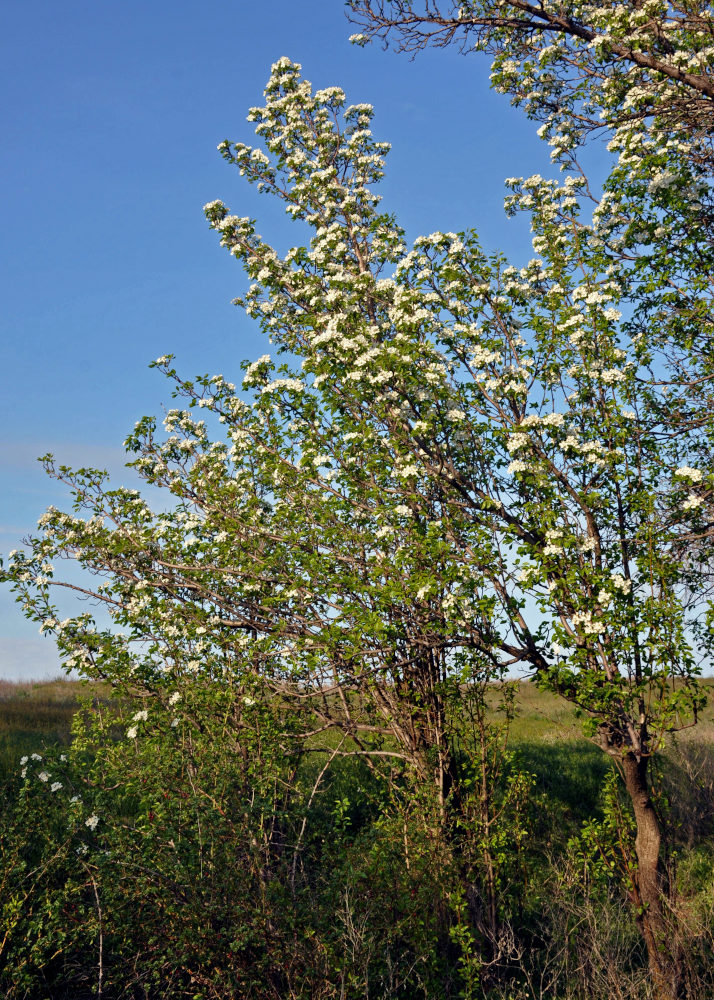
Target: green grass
{"x":541,"y":715}
{"x":36,"y":715}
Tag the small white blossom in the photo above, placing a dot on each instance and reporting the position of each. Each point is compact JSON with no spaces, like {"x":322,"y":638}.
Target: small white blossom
{"x":687,"y":472}
{"x":621,"y":583}
{"x":92,"y":821}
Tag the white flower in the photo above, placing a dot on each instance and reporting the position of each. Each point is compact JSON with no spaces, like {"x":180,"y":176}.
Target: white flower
{"x":692,"y":502}
{"x":35,"y":756}
{"x":141,"y":716}
{"x":408,"y":471}
{"x":517,"y":441}
{"x":518,"y":466}
{"x":456,"y":415}
{"x":694,"y":475}
{"x":622,"y":584}
{"x":611,"y":375}
{"x":585,"y":620}
{"x":131,"y":732}
{"x":43,"y":776}
{"x":663,"y":179}
{"x":175,"y":697}
{"x":248,"y":701}
{"x":55,"y":786}
{"x":23,"y":760}
{"x":23,"y":772}
{"x":92,"y":821}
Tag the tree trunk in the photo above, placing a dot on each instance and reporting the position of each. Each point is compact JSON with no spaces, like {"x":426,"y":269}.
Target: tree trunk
{"x":650,"y":886}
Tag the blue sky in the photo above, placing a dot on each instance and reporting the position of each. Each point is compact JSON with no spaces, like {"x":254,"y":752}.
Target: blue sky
{"x":112,"y":114}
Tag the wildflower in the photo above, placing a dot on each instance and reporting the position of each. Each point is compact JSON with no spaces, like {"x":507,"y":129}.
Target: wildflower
{"x":131,"y":732}
{"x":55,"y":786}
{"x":92,"y":821}
{"x":175,"y":697}
{"x":141,"y":716}
{"x":43,"y":776}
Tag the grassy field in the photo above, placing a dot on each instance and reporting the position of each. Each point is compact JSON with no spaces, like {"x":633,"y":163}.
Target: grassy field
{"x":544,"y":716}
{"x":37,"y":713}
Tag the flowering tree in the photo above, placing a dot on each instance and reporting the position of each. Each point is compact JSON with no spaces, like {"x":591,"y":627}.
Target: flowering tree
{"x":579,"y":65}
{"x":461,"y":467}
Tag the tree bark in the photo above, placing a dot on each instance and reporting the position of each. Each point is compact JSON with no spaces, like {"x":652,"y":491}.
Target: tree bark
{"x":650,"y":890}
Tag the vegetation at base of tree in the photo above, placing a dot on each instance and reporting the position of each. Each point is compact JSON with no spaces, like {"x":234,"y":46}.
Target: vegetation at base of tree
{"x":220,"y":868}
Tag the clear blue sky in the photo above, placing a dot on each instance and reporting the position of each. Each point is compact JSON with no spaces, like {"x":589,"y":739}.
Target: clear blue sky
{"x":112,"y":113}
